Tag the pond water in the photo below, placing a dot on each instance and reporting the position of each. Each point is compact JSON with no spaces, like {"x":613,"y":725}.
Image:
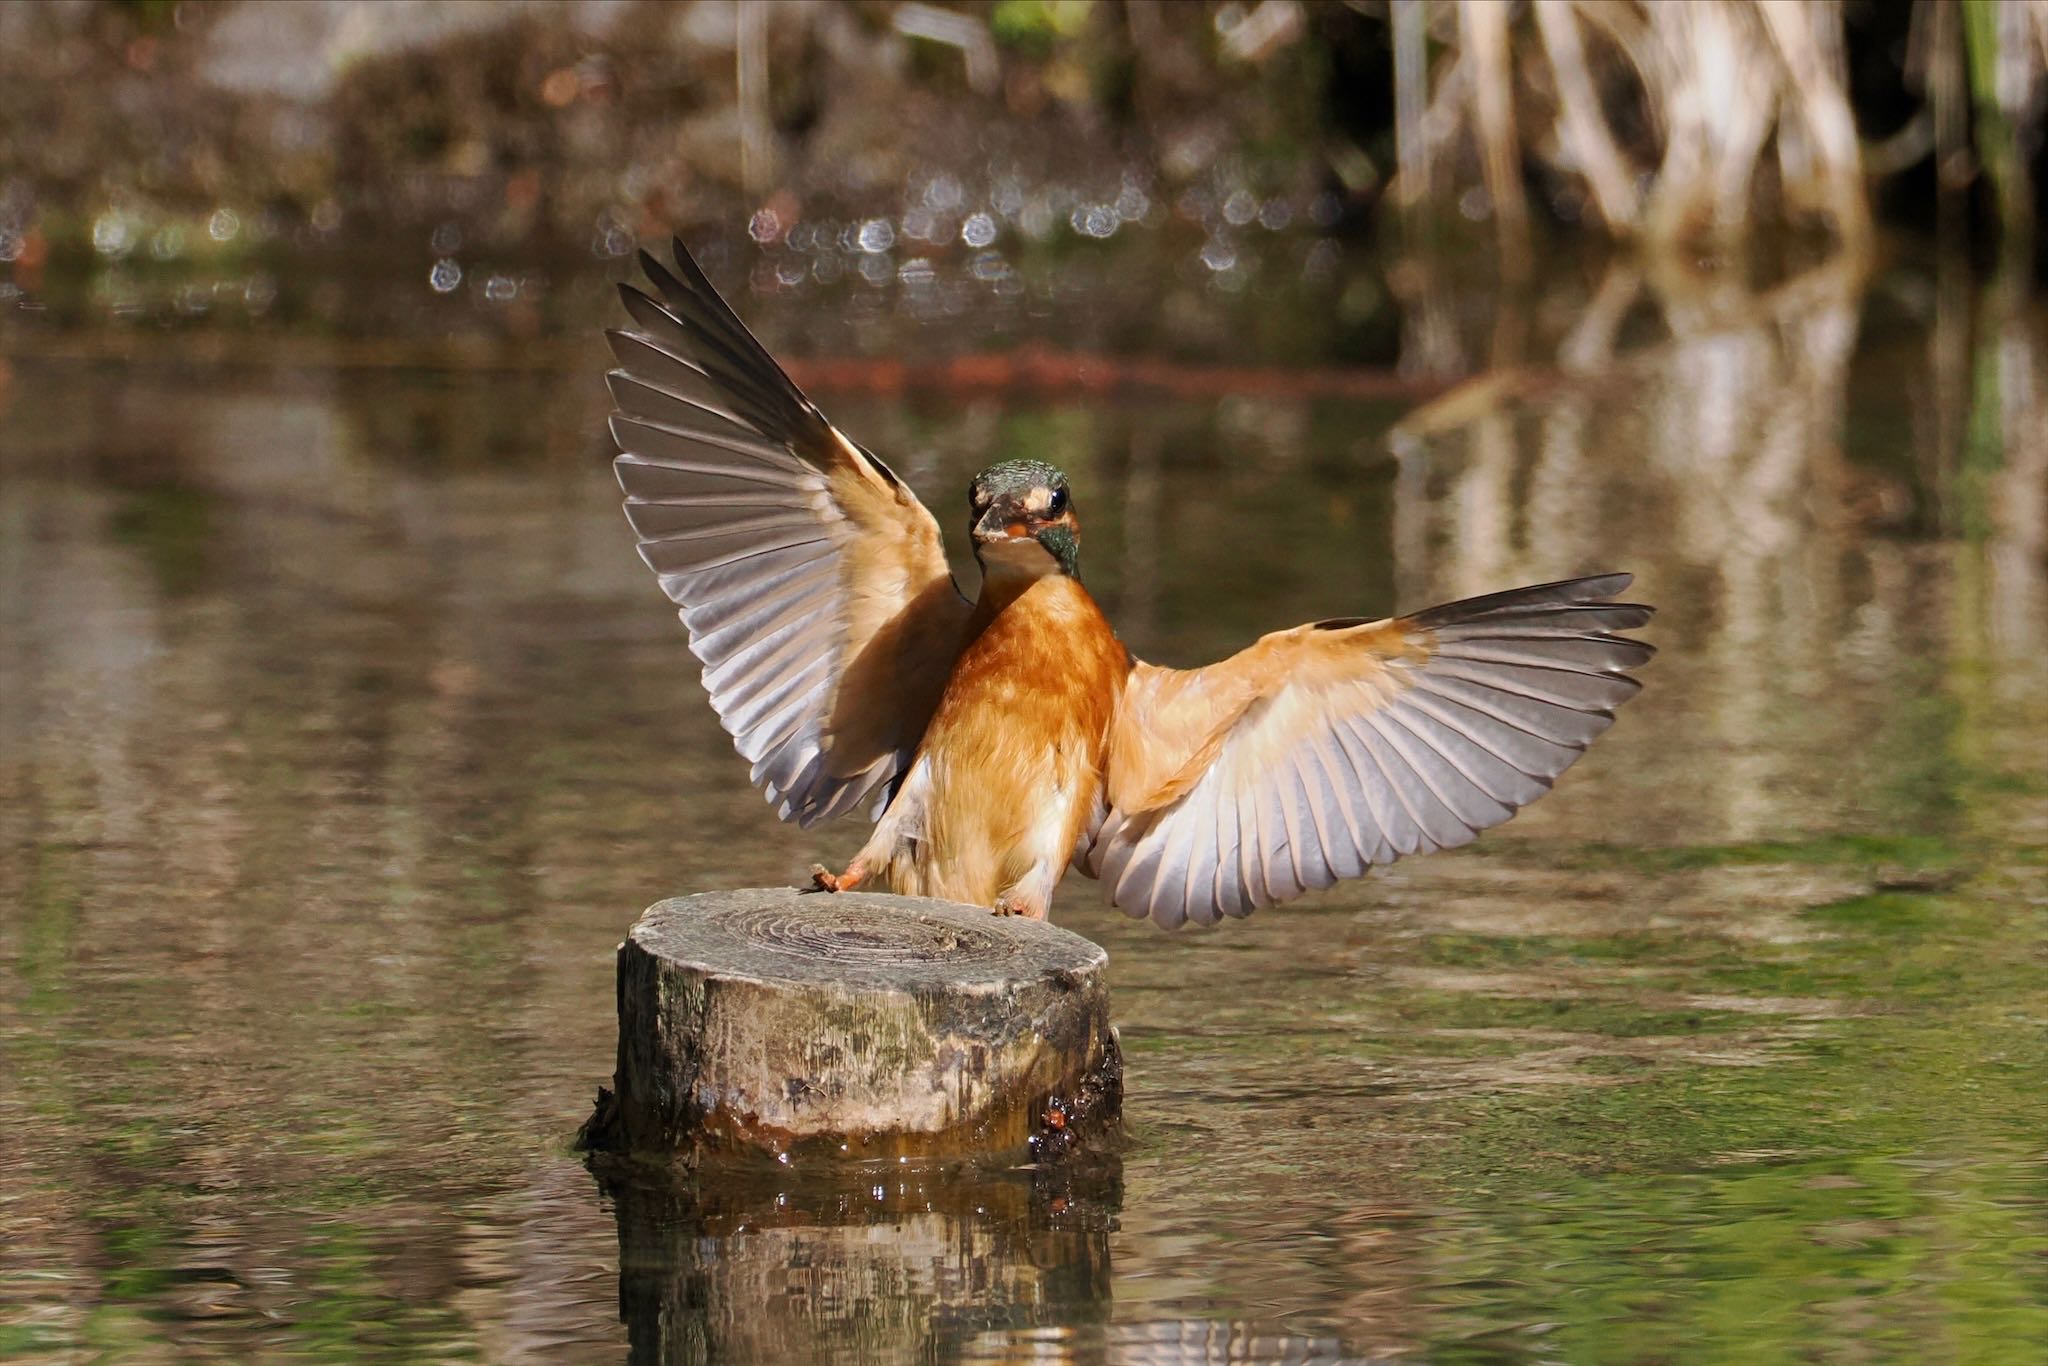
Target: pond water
{"x":342,"y":735}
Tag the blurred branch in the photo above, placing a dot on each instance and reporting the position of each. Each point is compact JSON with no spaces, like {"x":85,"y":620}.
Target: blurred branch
{"x":1584,"y":130}
{"x":757,"y":129}
{"x":1801,"y":32}
{"x":963,"y":32}
{"x":1484,"y":24}
{"x":1270,"y":27}
{"x":1411,"y":102}
{"x":2004,"y":66}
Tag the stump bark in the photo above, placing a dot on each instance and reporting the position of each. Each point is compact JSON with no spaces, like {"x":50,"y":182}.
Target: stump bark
{"x":791,"y":1027}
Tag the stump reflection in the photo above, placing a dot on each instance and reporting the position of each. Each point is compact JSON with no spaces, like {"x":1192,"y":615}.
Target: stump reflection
{"x":893,"y":1265}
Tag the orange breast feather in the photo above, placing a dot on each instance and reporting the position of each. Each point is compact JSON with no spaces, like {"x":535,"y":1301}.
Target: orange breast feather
{"x":1016,"y":748}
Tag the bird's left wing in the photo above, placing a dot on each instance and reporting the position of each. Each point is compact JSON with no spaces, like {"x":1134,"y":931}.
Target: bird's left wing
{"x":813,"y":582}
{"x":1317,"y":752}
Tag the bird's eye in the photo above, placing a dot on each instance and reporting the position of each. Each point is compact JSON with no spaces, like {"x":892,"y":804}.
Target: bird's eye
{"x":1059,"y":502}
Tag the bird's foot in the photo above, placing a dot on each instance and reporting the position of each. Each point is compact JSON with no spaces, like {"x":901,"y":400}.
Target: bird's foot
{"x":1010,"y":903}
{"x":824,"y":879}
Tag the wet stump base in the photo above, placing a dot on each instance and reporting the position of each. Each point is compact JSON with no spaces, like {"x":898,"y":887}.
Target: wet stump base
{"x":823,"y":1028}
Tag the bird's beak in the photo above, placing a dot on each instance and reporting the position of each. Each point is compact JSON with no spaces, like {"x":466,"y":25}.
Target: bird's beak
{"x":1003,"y":521}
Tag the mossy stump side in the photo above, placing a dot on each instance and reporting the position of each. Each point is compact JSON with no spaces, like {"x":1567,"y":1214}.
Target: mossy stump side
{"x":782,"y":1026}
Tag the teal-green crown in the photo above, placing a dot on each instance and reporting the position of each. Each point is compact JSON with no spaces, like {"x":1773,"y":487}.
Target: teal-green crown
{"x":1014,"y":478}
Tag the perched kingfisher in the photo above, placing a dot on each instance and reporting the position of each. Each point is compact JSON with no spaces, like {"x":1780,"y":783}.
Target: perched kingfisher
{"x":1002,"y":739}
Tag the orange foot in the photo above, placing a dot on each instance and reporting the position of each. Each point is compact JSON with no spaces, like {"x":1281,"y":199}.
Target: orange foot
{"x":1011,"y":904}
{"x":824,"y":880}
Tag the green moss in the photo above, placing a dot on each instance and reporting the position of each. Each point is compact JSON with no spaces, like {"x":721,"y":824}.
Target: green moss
{"x":26,"y":1339}
{"x":1618,"y":1019}
{"x":1913,"y":1062}
{"x":1856,"y":850}
{"x":1892,"y":913}
{"x":1474,"y":951}
{"x":1036,"y":27}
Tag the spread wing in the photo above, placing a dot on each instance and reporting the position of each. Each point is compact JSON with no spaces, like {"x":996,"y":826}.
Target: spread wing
{"x":811,"y":579}
{"x":1319,"y":751}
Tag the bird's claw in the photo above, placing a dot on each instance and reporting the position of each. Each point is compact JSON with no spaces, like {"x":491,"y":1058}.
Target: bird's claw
{"x":823,"y":879}
{"x":1016,"y":905}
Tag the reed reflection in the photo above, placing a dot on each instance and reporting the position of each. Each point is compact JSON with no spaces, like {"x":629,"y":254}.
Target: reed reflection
{"x":1791,"y":549}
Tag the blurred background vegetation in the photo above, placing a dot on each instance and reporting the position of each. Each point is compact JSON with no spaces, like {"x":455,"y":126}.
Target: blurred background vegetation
{"x":161,"y":129}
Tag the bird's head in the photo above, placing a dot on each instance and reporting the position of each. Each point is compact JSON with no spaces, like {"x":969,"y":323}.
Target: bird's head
{"x":1022,"y":519}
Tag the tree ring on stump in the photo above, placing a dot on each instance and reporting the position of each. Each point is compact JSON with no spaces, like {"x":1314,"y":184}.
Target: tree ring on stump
{"x":790,"y":1026}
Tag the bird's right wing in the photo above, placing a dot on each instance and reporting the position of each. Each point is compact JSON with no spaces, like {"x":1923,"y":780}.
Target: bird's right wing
{"x":812,"y":581}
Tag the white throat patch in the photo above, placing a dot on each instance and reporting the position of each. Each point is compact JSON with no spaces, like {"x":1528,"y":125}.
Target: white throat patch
{"x":1019,"y":558}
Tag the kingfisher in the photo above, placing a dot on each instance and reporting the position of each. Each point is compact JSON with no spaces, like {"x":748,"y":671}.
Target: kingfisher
{"x":999,"y":740}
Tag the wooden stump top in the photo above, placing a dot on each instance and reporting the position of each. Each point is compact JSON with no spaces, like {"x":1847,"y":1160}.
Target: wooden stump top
{"x":858,"y":941}
{"x":770,"y":1023}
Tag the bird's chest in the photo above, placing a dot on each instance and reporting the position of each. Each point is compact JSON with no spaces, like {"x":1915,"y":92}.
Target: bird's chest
{"x":1014,"y":753}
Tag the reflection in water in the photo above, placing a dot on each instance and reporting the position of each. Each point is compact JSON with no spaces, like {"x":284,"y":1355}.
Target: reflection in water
{"x":917,"y":1266}
{"x":339,"y":740}
{"x":736,"y":1268}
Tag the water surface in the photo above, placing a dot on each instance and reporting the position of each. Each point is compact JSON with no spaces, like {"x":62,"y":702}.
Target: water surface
{"x":342,"y":735}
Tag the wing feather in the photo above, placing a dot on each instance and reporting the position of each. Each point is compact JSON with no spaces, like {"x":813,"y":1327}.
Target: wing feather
{"x":1443,"y":772}
{"x":1493,"y":777}
{"x":1234,"y":897}
{"x":792,"y":552}
{"x":1368,"y":791}
{"x":687,"y":404}
{"x":1319,"y":752}
{"x":723,"y":407}
{"x":1315,"y":868}
{"x":1555,"y":725}
{"x":1351,"y":848}
{"x":746,"y":621}
{"x":1201,"y":877}
{"x":1565,"y":688}
{"x":773,"y":714}
{"x":700,"y":453}
{"x":1434,"y":825}
{"x":1593,"y":654}
{"x":789,"y":587}
{"x":760,"y":691}
{"x":1279,"y":867}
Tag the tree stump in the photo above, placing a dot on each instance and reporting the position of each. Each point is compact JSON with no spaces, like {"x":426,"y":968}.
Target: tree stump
{"x":795,"y":1027}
